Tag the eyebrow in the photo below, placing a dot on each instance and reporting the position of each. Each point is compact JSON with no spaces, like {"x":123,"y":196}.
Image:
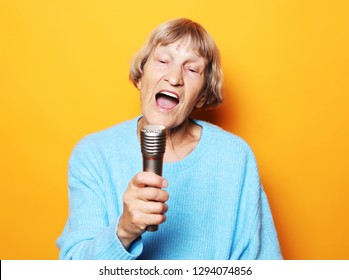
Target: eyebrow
{"x":192,"y":57}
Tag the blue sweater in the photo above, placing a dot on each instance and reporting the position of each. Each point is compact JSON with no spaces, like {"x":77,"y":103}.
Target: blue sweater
{"x":217,"y":206}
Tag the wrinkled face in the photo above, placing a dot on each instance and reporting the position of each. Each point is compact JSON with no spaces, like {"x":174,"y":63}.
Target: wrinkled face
{"x":172,"y":84}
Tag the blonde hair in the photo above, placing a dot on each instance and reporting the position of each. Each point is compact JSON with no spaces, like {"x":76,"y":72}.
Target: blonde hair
{"x":172,"y":31}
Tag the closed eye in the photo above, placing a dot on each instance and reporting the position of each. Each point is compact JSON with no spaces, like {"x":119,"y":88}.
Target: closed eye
{"x":162,"y":61}
{"x":193,"y":69}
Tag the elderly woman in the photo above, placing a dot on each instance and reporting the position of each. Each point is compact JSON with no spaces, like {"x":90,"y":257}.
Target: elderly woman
{"x":209,"y":202}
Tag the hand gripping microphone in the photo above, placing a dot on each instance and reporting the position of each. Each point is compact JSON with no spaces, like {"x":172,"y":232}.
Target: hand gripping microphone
{"x":153,"y":143}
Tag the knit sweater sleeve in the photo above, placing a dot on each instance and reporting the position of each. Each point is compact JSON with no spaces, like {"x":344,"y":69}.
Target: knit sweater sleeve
{"x":260,"y":237}
{"x":88,"y":234}
{"x":266,"y":236}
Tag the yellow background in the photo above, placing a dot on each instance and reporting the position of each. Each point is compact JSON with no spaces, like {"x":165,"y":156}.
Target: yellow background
{"x":64,"y":73}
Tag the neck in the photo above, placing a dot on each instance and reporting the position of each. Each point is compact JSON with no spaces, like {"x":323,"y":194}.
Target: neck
{"x":180,"y":141}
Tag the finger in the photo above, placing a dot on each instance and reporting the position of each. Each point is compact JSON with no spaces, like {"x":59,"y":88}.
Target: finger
{"x":144,"y":179}
{"x":153,"y":194}
{"x":141,"y":219}
{"x":152,"y":207}
{"x":154,"y":219}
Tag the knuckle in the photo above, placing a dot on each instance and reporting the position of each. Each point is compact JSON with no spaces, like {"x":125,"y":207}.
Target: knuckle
{"x":138,"y":177}
{"x":136,"y":218}
{"x":132,"y":209}
{"x":129,"y":198}
{"x":127,"y":201}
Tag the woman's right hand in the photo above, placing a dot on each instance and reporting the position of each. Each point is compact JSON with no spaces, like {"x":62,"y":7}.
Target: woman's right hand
{"x":144,"y":204}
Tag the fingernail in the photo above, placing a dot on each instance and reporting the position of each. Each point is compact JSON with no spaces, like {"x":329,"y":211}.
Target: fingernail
{"x":164,"y":184}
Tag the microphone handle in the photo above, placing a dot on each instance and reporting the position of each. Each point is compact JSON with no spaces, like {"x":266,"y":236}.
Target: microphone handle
{"x":152,"y":165}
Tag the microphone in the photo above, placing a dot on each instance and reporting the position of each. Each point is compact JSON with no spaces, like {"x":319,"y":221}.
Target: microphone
{"x":153,"y":143}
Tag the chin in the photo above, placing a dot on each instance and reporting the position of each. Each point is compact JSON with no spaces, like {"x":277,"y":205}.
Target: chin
{"x":167,"y":119}
{"x":155,"y":119}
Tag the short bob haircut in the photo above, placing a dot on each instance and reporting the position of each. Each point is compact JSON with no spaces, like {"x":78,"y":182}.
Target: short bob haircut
{"x":177,"y":29}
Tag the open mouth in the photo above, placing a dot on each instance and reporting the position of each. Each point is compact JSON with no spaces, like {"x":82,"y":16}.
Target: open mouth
{"x":166,"y":100}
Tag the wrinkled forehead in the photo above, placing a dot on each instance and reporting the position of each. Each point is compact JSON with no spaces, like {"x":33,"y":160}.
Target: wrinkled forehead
{"x":182,"y":45}
{"x":194,"y":43}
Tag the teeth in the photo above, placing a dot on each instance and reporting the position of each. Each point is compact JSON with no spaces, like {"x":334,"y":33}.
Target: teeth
{"x":169,"y":94}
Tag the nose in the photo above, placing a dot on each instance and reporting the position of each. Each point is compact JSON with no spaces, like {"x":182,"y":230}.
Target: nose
{"x":175,"y":76}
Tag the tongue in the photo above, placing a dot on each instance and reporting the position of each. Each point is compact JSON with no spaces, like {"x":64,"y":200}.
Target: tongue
{"x":166,"y":102}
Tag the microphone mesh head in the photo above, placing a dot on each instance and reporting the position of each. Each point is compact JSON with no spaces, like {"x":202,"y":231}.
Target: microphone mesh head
{"x":153,"y":140}
{"x":153,"y":128}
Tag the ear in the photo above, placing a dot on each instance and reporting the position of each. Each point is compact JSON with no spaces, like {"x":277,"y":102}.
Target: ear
{"x":201,"y":102}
